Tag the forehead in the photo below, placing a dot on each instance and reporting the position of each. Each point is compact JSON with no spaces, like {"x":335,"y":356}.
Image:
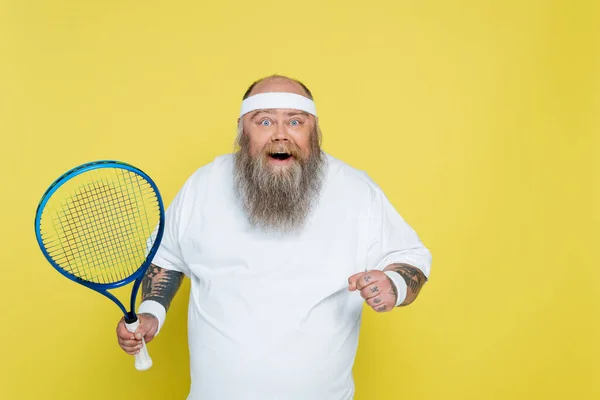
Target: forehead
{"x":277,"y":85}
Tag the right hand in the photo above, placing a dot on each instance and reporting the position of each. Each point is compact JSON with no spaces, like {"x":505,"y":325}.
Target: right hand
{"x":130,"y":342}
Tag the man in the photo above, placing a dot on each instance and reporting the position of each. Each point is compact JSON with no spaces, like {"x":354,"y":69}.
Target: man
{"x":282,"y":244}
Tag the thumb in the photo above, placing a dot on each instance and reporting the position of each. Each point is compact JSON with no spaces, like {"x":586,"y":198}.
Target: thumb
{"x":352,"y":281}
{"x":141,"y":331}
{"x":144,"y":327}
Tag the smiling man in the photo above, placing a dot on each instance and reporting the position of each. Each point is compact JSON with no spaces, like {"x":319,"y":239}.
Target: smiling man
{"x":283,"y":245}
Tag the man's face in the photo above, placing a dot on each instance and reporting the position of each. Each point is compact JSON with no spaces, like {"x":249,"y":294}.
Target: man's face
{"x":278,"y":171}
{"x":281,"y":136}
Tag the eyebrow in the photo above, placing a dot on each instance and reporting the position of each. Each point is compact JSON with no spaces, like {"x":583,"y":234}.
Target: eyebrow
{"x":272,"y":111}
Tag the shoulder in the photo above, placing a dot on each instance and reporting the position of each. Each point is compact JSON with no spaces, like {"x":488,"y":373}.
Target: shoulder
{"x":204,"y":177}
{"x":219,"y":167}
{"x":350,"y":179}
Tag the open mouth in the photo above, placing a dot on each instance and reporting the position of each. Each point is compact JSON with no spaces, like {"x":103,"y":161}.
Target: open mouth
{"x":281,"y":156}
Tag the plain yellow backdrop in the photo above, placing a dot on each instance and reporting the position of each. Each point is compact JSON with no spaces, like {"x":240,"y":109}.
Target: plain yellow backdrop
{"x":479,"y":119}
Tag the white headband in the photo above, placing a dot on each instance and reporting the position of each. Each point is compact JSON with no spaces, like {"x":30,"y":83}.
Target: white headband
{"x":263,"y":101}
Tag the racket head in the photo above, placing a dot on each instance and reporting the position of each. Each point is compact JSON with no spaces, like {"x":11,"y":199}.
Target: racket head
{"x":100,"y":223}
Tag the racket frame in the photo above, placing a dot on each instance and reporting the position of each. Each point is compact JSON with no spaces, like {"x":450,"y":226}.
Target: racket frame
{"x":102,"y":288}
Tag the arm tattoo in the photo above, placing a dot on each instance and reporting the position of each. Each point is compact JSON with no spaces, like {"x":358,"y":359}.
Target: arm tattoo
{"x":413,"y":276}
{"x":161,"y":285}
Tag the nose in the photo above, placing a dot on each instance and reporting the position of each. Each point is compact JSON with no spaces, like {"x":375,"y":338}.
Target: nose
{"x":280,"y":134}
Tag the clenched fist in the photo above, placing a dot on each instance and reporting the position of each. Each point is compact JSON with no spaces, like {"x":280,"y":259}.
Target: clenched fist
{"x":131,"y":342}
{"x":376,"y":288}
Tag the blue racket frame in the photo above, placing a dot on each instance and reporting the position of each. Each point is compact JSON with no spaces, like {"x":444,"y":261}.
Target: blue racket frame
{"x":137,"y":276}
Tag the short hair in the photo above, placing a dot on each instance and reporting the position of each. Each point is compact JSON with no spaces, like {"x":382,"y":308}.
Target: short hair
{"x":247,"y":94}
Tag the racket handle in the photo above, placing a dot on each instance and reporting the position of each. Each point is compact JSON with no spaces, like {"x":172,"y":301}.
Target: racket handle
{"x":142,"y":359}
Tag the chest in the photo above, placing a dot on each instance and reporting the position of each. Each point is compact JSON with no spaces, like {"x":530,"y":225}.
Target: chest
{"x":218,"y":240}
{"x":235,"y":263}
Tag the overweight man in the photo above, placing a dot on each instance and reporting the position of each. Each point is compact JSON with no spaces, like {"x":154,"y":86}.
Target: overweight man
{"x":283,"y":244}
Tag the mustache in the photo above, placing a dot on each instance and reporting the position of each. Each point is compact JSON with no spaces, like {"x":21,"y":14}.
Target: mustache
{"x":283,"y":147}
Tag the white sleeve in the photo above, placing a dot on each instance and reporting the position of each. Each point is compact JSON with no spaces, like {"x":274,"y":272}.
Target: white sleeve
{"x":392,"y":240}
{"x":169,"y":255}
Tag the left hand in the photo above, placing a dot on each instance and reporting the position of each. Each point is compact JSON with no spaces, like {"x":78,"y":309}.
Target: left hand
{"x":376,"y":288}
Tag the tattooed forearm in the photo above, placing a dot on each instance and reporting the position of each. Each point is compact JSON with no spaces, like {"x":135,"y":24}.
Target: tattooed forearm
{"x":161,"y":285}
{"x":414,"y":278}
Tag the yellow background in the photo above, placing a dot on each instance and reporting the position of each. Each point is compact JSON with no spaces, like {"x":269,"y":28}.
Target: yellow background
{"x":478,"y":118}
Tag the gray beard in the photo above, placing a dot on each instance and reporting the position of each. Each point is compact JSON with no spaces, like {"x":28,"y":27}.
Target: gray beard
{"x":278,"y":199}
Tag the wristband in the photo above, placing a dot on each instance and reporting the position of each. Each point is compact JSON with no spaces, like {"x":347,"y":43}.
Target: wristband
{"x":156,"y":309}
{"x":400,"y":284}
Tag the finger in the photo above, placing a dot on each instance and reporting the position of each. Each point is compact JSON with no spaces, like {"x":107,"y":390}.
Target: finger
{"x":129,"y":343}
{"x":126,"y":336}
{"x":378,"y":301}
{"x":352,"y":281}
{"x":382,"y":308}
{"x":123,"y":333}
{"x":131,"y":350}
{"x":147,"y":327}
{"x":366,"y":279}
{"x":371,"y":291}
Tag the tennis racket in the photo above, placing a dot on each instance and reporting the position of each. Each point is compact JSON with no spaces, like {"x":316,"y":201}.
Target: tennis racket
{"x":100,"y":225}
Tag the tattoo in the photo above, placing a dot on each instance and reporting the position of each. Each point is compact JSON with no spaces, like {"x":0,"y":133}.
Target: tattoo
{"x":413,"y":276}
{"x":161,"y":285}
{"x":367,"y":278}
{"x":377,"y":300}
{"x":393,"y":290}
{"x":382,"y":308}
{"x":374,"y":289}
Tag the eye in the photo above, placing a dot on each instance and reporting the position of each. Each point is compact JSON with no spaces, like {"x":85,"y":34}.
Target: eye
{"x":295,"y":122}
{"x":265,"y":122}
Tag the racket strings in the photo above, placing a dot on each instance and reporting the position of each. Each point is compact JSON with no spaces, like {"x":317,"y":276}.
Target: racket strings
{"x":88,"y":221}
{"x":139,"y":188}
{"x":95,"y":230}
{"x":103,"y":239}
{"x":104,"y":228}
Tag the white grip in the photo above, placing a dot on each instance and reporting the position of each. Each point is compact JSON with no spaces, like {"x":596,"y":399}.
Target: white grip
{"x":142,"y":359}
